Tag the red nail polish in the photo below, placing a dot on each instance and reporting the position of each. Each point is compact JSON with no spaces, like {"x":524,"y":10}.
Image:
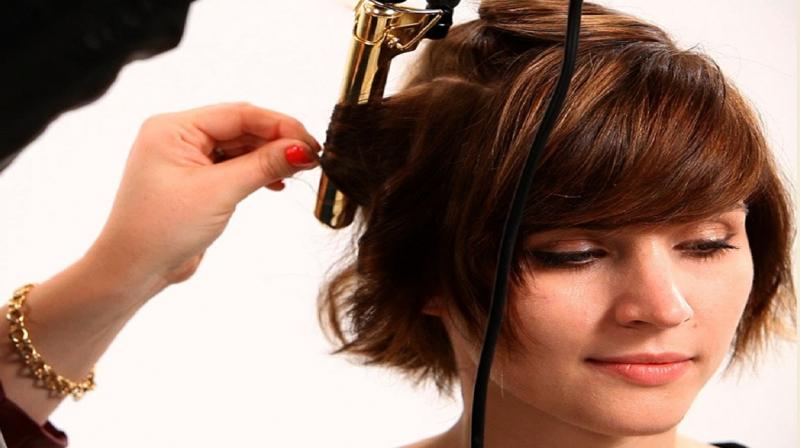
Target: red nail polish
{"x":296,"y":155}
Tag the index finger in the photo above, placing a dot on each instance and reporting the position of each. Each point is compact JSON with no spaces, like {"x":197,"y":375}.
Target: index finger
{"x":229,"y":121}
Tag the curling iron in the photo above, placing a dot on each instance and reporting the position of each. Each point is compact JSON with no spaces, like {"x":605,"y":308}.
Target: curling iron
{"x":384,"y":30}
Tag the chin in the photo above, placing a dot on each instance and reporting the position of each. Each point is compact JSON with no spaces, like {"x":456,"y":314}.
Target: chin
{"x":628,"y":428}
{"x":640,"y":419}
{"x":617,"y":408}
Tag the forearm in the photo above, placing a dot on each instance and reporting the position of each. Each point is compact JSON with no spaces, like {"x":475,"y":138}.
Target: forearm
{"x":72,"y":318}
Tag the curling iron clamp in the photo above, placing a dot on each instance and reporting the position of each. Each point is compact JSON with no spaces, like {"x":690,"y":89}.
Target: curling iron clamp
{"x":382,"y":30}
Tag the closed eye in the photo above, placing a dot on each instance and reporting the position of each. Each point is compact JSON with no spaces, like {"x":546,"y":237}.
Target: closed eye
{"x":575,"y":260}
{"x":698,"y":249}
{"x":706,"y":249}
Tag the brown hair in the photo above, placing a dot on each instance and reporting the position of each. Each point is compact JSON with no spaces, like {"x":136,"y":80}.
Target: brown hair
{"x":648,"y":134}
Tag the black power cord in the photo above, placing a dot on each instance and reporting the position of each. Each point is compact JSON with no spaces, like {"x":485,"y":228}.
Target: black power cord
{"x":512,"y":223}
{"x":514,"y":217}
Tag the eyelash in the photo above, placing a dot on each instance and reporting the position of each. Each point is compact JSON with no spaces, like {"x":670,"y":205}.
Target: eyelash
{"x":703,"y":250}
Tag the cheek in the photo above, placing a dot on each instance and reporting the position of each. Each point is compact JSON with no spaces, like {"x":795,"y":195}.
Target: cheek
{"x":718,"y":297}
{"x":556,"y":320}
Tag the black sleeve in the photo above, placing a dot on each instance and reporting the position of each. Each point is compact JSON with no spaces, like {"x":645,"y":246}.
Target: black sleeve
{"x":19,"y":430}
{"x":56,"y":55}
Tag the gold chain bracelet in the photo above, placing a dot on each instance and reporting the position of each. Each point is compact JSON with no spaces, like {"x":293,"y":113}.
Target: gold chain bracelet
{"x":48,"y":378}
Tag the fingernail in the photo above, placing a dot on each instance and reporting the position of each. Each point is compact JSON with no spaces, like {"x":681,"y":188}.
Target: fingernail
{"x":298,"y":156}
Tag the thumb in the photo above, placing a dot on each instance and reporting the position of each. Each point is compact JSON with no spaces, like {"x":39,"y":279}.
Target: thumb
{"x":268,"y":163}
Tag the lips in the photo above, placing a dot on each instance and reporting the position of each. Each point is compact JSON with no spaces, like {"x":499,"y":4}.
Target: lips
{"x":644,"y":358}
{"x":645,"y":369}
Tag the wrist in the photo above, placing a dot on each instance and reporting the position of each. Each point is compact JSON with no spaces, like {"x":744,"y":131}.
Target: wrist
{"x":117,"y":275}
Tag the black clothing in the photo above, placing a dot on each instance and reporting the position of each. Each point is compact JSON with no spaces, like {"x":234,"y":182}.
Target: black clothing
{"x":57,"y":55}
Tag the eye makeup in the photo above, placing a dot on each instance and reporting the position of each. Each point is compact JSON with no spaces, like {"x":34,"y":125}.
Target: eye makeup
{"x":705,"y":249}
{"x":701,"y":250}
{"x":556,"y":259}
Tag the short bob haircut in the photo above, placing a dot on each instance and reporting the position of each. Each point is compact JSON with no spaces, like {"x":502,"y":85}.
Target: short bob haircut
{"x":649,"y":134}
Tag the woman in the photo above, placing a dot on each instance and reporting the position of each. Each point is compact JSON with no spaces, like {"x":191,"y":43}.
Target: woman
{"x":638,"y":237}
{"x":656,"y":231}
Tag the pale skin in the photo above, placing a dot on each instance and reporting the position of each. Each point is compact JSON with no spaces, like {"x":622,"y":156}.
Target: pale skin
{"x":676,"y":288}
{"x":171,"y":191}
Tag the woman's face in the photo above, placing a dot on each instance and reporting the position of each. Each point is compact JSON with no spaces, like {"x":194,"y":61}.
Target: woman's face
{"x":675,"y":292}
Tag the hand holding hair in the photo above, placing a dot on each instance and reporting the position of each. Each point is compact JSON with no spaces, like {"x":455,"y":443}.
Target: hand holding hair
{"x":184,"y":176}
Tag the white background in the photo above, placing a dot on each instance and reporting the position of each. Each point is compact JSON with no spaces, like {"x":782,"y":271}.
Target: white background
{"x":234,"y":356}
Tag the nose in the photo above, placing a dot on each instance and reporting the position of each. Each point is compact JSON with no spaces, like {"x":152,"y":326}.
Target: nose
{"x":648,"y":292}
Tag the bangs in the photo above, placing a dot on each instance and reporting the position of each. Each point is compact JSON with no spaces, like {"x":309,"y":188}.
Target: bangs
{"x":668,"y":141}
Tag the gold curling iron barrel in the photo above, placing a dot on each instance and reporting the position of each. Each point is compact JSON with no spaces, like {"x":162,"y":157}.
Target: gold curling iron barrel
{"x":382,"y":30}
